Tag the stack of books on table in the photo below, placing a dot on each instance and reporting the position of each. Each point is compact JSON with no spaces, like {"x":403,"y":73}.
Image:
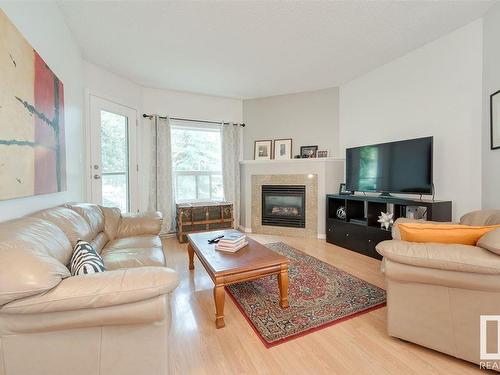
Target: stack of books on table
{"x":231,"y":243}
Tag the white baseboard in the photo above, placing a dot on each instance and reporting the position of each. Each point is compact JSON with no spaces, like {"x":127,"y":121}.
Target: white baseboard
{"x":320,"y":236}
{"x":245,"y":229}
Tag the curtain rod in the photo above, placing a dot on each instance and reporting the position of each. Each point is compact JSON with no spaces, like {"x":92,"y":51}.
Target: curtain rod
{"x":145,"y":115}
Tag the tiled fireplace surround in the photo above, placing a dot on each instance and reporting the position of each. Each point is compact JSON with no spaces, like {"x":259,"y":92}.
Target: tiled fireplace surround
{"x":319,"y":176}
{"x":309,"y":181}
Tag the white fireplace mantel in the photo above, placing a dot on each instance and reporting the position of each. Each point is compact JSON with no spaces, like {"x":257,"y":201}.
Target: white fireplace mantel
{"x":290,"y":161}
{"x":329,"y":171}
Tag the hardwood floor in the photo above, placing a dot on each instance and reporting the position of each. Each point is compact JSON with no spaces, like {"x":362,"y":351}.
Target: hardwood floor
{"x":356,"y":346}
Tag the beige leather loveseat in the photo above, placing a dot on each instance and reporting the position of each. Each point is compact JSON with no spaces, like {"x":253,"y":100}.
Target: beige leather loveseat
{"x":114,"y":322}
{"x":437,"y":292}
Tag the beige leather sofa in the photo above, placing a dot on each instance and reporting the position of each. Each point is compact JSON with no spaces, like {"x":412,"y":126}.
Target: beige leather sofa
{"x":115,"y":322}
{"x":437,"y":292}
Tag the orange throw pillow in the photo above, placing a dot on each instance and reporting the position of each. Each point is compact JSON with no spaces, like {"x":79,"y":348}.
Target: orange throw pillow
{"x":443,"y":233}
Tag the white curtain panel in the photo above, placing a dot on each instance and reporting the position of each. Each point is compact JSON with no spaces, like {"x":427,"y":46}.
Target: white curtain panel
{"x":231,"y":156}
{"x":161,"y":191}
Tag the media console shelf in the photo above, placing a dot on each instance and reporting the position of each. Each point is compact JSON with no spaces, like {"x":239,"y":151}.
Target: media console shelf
{"x":359,"y":230}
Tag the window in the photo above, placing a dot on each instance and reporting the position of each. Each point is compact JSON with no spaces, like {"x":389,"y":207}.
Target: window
{"x":114,"y":158}
{"x":196,"y":161}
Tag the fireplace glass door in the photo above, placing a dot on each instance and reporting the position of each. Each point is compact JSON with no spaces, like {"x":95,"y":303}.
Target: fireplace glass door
{"x":283,"y":205}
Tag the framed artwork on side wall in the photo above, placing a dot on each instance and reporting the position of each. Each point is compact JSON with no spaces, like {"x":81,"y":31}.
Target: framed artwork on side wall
{"x":495,"y":120}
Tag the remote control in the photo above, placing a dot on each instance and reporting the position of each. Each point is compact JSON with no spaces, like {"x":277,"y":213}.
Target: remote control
{"x":216,"y":239}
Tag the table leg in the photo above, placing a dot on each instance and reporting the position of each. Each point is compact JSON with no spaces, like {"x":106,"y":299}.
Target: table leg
{"x":191,"y":256}
{"x":283,"y":285}
{"x":219,"y":295}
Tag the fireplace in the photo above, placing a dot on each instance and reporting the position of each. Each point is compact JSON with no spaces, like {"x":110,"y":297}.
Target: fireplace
{"x":284,"y":205}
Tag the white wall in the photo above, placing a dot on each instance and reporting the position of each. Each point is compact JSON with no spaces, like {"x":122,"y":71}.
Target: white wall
{"x":105,"y":84}
{"x":154,"y":101}
{"x":491,"y":84}
{"x":45,"y":29}
{"x":435,"y":90}
{"x":309,"y":118}
{"x":193,"y":106}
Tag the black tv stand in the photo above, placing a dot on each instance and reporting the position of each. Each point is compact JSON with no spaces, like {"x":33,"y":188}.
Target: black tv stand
{"x":359,"y":230}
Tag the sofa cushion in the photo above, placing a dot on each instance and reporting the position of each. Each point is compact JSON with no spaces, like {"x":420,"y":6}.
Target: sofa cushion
{"x":72,"y":224}
{"x":133,"y":242}
{"x":33,"y":257}
{"x":491,"y":241}
{"x":136,"y":224}
{"x":443,"y":233}
{"x":452,"y":257}
{"x":131,"y":258}
{"x":99,"y":242}
{"x":112,"y":218}
{"x":92,"y":213}
{"x":85,"y":260}
{"x":481,"y":217}
{"x":133,"y":252}
{"x":99,"y":290}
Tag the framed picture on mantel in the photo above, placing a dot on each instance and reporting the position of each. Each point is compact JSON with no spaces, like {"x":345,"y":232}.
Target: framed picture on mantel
{"x":495,"y":120}
{"x":283,"y":148}
{"x":307,"y":152}
{"x":263,"y":150}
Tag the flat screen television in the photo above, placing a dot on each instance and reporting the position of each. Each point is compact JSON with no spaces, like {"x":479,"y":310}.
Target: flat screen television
{"x":393,"y":167}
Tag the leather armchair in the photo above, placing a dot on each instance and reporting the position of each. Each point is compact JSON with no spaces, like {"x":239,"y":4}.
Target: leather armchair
{"x":437,"y":292}
{"x":53,"y":323}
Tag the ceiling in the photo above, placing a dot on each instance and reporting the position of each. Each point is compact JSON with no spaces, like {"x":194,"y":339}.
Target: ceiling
{"x":255,"y":49}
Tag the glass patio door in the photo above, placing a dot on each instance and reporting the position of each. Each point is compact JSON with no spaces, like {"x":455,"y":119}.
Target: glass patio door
{"x":113,"y":135}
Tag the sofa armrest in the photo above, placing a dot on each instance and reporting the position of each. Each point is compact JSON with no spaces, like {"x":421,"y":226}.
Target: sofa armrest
{"x":448,"y":257}
{"x":105,"y":289}
{"x":136,"y":224}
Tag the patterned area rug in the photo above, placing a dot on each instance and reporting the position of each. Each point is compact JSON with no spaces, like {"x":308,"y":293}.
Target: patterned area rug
{"x":319,"y":295}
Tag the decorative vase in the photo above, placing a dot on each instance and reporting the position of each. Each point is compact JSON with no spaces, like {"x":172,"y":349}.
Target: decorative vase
{"x":341,"y":214}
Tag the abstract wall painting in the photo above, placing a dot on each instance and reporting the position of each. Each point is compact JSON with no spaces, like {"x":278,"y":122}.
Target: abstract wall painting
{"x":32,"y":141}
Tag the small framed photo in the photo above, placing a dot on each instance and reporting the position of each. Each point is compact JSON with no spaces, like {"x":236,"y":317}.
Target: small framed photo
{"x":263,"y":150}
{"x":307,"y":152}
{"x":282,"y":148}
{"x":343,"y":190}
{"x":495,"y":120}
{"x":322,"y":154}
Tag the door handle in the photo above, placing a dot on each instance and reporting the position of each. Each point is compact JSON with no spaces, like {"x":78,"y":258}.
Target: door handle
{"x":97,"y":177}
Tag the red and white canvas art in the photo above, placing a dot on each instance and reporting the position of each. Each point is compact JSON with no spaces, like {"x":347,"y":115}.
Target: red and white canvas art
{"x":32,"y":147}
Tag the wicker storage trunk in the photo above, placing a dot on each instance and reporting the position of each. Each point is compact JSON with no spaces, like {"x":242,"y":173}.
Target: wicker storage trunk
{"x":202,"y":217}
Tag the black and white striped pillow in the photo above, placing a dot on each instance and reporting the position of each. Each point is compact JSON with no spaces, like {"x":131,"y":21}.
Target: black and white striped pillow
{"x":85,"y":259}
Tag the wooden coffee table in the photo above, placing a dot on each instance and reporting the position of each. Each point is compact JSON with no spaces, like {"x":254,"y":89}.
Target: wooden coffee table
{"x":251,"y":262}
